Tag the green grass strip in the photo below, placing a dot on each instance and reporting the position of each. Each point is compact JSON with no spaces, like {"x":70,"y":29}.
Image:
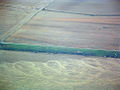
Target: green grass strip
{"x":59,"y":50}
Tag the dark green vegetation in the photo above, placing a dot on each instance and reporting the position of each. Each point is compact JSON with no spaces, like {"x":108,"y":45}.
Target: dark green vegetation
{"x":58,"y":50}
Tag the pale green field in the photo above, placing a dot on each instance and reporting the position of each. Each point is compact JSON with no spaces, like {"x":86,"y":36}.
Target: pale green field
{"x":42,"y":71}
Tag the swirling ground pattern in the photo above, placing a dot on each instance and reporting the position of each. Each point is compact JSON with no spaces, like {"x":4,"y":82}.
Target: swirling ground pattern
{"x":29,"y":71}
